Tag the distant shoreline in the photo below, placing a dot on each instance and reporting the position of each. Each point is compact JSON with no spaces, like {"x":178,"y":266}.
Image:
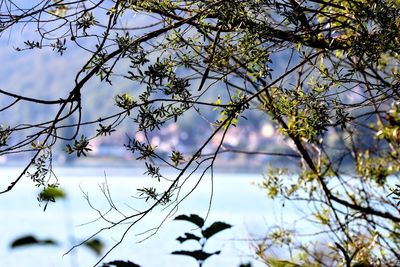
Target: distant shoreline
{"x":220,"y":165}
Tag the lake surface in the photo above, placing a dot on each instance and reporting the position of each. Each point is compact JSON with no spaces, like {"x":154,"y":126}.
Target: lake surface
{"x":236,"y":200}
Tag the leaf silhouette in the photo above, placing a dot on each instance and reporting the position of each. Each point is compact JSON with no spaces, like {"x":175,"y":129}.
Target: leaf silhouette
{"x":215,"y":228}
{"x":198,"y":255}
{"x":120,"y":264}
{"x":193,"y":218}
{"x":95,"y":245}
{"x":188,"y":236}
{"x":31,"y":240}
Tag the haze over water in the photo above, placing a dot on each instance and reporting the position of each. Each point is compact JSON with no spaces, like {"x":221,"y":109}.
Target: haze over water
{"x":236,"y":200}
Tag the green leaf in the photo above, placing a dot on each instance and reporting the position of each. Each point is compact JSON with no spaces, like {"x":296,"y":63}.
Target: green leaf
{"x":198,"y":255}
{"x":125,"y":101}
{"x":188,"y":236}
{"x":215,"y":228}
{"x":193,"y":218}
{"x":120,"y":264}
{"x":50,"y":194}
{"x":95,"y":245}
{"x":176,"y":157}
{"x":217,"y":103}
{"x":31,"y":240}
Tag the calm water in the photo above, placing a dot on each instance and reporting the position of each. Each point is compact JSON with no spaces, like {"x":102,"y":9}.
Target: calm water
{"x":236,"y":201}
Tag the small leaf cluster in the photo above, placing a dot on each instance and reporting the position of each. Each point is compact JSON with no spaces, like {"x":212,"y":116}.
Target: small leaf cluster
{"x":229,"y":115}
{"x":125,"y":101}
{"x":374,"y":168}
{"x":135,"y":52}
{"x":153,"y":171}
{"x":60,"y":9}
{"x":59,"y":46}
{"x":391,"y":130}
{"x":281,"y":236}
{"x":80,"y":147}
{"x":5,"y":133}
{"x":176,"y":157}
{"x":99,"y":63}
{"x":145,"y":150}
{"x":273,"y":182}
{"x":158,"y":71}
{"x":307,"y":114}
{"x":378,"y":165}
{"x":136,"y":55}
{"x":32,"y":44}
{"x":105,"y":130}
{"x":153,"y":114}
{"x":150,"y":193}
{"x":377,"y":32}
{"x":49,"y":194}
{"x":86,"y":21}
{"x":177,"y":88}
{"x":396,"y":193}
{"x":150,"y":118}
{"x":160,"y":78}
{"x":41,"y":168}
